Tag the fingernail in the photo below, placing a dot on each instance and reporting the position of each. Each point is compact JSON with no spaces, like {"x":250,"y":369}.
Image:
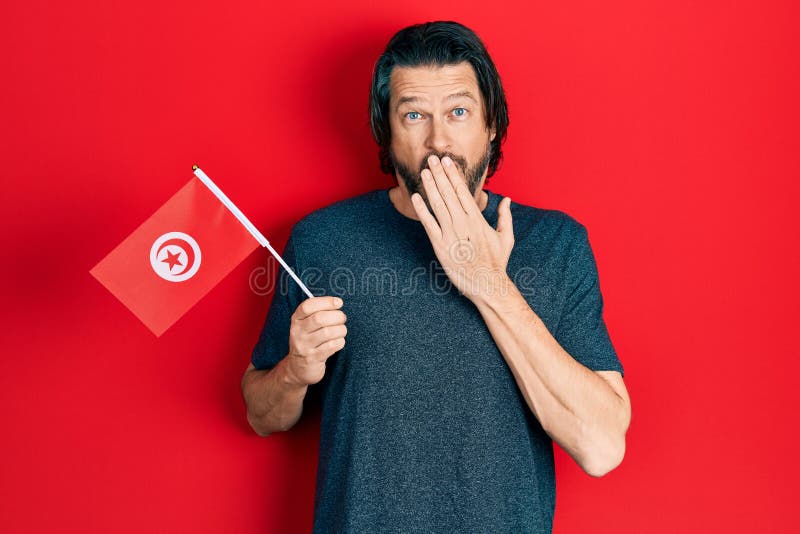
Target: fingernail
{"x":447,"y":161}
{"x":433,"y":160}
{"x":339,"y":301}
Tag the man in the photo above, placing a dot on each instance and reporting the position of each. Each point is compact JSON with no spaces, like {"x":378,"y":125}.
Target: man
{"x":440,"y":409}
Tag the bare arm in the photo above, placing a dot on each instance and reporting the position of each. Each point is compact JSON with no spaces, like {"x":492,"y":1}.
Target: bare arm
{"x":274,"y":397}
{"x":274,"y":402}
{"x":586,"y":412}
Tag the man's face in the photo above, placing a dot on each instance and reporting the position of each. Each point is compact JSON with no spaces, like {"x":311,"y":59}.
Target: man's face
{"x":438,"y":110}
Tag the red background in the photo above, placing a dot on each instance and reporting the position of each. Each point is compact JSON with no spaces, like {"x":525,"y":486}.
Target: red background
{"x":668,"y":128}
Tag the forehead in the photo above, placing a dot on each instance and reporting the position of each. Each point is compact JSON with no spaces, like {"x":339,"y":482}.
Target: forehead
{"x":432,"y":82}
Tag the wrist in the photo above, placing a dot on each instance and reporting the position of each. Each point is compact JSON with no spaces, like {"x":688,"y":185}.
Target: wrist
{"x":287,"y":377}
{"x":494,"y":289}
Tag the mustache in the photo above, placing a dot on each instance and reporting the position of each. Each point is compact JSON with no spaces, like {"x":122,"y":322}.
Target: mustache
{"x":460,"y":161}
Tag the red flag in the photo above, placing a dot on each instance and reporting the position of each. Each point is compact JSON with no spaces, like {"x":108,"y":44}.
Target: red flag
{"x":176,"y":256}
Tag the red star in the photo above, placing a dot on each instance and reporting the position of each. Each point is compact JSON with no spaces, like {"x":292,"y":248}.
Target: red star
{"x":172,"y":259}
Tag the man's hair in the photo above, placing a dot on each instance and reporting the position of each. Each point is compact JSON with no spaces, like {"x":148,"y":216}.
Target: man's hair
{"x":436,"y":44}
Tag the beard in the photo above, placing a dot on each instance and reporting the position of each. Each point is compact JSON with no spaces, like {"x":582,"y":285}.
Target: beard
{"x":413,"y":180}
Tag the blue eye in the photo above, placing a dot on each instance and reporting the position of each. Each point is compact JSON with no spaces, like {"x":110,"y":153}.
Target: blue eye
{"x":413,"y":115}
{"x":459,"y":112}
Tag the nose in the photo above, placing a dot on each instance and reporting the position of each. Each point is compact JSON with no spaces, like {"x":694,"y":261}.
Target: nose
{"x":438,"y":137}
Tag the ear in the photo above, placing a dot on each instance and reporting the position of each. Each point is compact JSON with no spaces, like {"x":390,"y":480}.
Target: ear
{"x":492,"y":133}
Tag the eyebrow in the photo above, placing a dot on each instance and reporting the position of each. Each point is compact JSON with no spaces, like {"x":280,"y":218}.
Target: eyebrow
{"x":412,"y":99}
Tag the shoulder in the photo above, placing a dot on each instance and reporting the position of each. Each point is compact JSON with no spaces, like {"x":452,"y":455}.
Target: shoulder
{"x":336,"y":215}
{"x":557,"y":228}
{"x":334,"y":227}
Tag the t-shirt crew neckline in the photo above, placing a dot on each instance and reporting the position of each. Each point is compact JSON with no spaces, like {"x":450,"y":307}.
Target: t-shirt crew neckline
{"x":489,"y":212}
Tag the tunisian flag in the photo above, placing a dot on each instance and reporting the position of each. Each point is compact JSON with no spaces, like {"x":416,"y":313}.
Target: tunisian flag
{"x":176,"y":256}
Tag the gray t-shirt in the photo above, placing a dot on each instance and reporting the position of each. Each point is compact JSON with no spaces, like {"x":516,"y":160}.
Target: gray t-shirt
{"x":423,"y":427}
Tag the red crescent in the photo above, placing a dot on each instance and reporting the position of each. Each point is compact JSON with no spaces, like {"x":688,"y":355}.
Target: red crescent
{"x":187,"y":248}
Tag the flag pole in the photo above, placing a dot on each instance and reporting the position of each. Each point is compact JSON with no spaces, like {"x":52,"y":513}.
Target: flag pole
{"x":247,"y":224}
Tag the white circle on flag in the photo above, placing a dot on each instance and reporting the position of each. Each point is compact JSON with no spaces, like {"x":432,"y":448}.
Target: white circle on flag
{"x":175,"y":256}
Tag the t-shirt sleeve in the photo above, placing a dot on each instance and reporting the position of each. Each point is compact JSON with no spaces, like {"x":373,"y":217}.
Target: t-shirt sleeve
{"x":273,"y":341}
{"x":582,"y":331}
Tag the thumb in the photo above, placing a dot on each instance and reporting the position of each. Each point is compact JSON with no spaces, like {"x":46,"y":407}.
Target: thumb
{"x":504,"y":223}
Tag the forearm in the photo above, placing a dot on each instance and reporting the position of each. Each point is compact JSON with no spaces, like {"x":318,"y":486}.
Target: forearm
{"x":274,"y":401}
{"x":576,"y":407}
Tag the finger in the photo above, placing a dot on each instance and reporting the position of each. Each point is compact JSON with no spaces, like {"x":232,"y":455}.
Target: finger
{"x":323,"y":319}
{"x":505,"y":226}
{"x":447,"y":191}
{"x":435,"y":199}
{"x":326,"y":334}
{"x":466,"y":200}
{"x":426,"y":218}
{"x":329,"y":348}
{"x":315,"y":304}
